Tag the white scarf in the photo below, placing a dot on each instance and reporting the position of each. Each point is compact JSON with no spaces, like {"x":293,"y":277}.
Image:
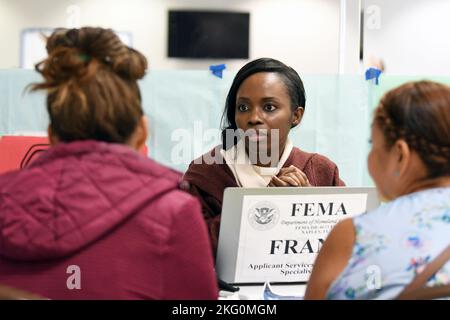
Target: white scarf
{"x":248,"y":175}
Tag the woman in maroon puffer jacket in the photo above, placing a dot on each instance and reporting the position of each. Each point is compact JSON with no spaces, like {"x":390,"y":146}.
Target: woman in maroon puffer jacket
{"x":91,"y":218}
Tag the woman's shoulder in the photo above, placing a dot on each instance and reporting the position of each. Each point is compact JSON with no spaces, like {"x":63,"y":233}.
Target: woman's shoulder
{"x":209,"y":161}
{"x":321,"y":171}
{"x":320,"y":159}
{"x":209,"y":166}
{"x":415,"y":210}
{"x":211,"y":157}
{"x":308,"y":158}
{"x":438,"y":198}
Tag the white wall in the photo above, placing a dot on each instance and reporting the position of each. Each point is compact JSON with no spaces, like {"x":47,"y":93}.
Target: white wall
{"x":349,"y":37}
{"x":412,"y":36}
{"x":301,"y":33}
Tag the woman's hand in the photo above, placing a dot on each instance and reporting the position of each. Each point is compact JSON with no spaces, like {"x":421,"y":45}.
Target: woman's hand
{"x":290,"y":177}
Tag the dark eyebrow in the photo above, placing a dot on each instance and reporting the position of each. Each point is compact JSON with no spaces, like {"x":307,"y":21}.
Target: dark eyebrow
{"x":263,"y":99}
{"x":269,"y":98}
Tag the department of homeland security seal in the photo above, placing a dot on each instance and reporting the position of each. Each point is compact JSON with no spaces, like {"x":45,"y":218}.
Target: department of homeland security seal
{"x":263,"y":215}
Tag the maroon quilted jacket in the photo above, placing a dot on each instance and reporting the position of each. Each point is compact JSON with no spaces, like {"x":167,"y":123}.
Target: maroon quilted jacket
{"x":91,"y":220}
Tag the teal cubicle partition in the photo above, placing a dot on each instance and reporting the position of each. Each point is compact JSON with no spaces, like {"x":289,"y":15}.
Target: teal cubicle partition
{"x":185,"y":108}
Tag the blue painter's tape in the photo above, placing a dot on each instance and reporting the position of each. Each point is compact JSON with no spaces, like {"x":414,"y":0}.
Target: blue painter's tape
{"x":217,"y":70}
{"x":373,"y":73}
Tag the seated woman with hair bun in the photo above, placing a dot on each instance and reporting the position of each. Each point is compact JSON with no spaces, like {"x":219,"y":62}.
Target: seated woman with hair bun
{"x":92,"y":218}
{"x":266,"y":100}
{"x":387,"y":253}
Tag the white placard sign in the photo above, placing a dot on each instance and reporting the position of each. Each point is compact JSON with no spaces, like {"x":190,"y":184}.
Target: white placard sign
{"x":280,"y":235}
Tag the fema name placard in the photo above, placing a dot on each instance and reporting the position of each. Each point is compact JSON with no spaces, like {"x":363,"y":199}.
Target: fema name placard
{"x":281,"y":235}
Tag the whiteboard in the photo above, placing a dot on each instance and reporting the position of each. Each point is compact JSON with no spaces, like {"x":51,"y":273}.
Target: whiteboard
{"x":32,"y":45}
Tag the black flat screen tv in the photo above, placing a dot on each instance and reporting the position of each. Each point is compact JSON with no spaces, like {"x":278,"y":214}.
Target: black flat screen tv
{"x":208,"y":34}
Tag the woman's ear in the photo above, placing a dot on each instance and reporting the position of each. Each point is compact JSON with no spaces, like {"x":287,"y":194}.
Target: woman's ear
{"x":140,"y":134}
{"x":297,"y":116}
{"x":403,"y":156}
{"x":51,"y":137}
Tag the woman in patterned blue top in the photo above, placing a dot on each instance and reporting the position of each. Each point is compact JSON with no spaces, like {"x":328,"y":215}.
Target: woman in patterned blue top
{"x":375,"y":255}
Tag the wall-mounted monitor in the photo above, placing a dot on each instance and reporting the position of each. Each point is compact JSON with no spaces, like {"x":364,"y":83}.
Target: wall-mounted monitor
{"x":208,"y":34}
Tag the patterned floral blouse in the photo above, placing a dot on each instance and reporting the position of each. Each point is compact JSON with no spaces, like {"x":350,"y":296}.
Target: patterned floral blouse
{"x":393,"y":243}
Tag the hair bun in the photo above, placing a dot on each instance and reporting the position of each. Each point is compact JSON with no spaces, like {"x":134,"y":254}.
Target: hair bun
{"x":130,"y":64}
{"x":73,"y":49}
{"x":63,"y":64}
